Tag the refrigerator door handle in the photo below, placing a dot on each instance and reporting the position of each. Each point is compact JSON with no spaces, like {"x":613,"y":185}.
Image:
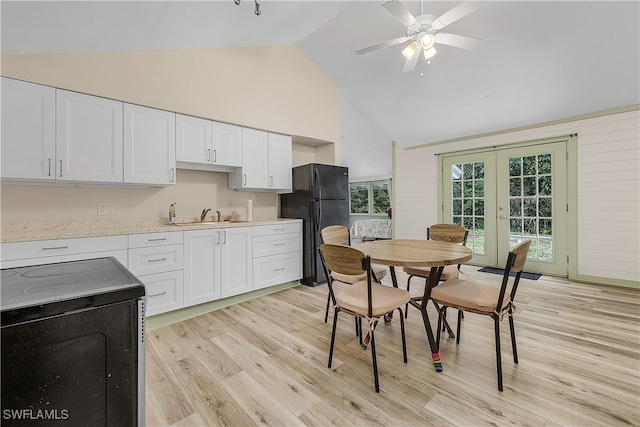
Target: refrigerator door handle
{"x":318,"y":214}
{"x":318,"y":185}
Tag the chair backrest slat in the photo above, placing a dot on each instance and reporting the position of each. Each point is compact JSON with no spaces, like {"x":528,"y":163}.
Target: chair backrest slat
{"x":343,"y":259}
{"x":336,"y":234}
{"x":520,"y":251}
{"x":451,"y":233}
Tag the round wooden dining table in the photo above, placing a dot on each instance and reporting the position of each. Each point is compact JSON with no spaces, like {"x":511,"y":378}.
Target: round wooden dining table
{"x":418,"y":253}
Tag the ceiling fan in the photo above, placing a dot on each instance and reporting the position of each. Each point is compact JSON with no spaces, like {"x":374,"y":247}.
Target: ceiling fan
{"x":424,"y":32}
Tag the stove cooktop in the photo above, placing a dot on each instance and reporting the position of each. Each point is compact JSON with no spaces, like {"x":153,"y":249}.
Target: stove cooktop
{"x":40,"y":285}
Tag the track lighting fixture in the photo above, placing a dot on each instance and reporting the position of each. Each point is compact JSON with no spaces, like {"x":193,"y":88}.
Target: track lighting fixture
{"x":256,"y":10}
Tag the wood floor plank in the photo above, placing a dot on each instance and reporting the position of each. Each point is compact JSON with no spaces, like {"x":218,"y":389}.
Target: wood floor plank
{"x":264,"y":362}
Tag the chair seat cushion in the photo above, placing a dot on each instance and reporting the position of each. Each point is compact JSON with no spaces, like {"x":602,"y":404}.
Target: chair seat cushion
{"x":449,"y":272}
{"x":468,"y":295}
{"x":380,"y":272}
{"x":384,"y":298}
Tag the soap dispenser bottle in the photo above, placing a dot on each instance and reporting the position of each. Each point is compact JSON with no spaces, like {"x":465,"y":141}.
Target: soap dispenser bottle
{"x":172,"y":213}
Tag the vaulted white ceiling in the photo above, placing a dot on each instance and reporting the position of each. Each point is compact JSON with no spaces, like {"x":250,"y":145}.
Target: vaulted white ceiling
{"x":539,"y":60}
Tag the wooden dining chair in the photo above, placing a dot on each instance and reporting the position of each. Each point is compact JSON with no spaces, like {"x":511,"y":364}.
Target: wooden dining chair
{"x":365,"y":299}
{"x":451,"y":233}
{"x":467,"y":295}
{"x":339,"y":235}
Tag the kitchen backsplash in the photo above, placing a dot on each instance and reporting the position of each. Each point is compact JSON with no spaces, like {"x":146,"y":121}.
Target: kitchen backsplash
{"x":193,"y":192}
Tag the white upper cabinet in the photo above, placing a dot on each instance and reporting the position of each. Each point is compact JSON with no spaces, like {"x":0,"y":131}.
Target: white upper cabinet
{"x":226,"y":144}
{"x":280,"y":161}
{"x":88,"y":138}
{"x":193,"y":139}
{"x":266,"y":162}
{"x":28,"y":130}
{"x":149,"y":146}
{"x":207,"y":145}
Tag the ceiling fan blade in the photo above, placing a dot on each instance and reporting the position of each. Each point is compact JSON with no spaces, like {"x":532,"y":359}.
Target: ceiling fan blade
{"x":454,"y":40}
{"x":400,"y":12}
{"x":381,"y":45}
{"x":410,"y":63}
{"x":456,"y":13}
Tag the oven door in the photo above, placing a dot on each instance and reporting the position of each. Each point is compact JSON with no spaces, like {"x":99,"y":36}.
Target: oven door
{"x":79,"y":368}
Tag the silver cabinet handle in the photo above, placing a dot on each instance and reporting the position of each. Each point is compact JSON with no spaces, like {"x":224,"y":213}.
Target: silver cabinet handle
{"x":157,"y":260}
{"x":271,"y":181}
{"x":49,"y":167}
{"x":224,"y":235}
{"x":245,"y":179}
{"x":158,"y":239}
{"x":215,"y":156}
{"x":173,"y":175}
{"x":279,"y":244}
{"x":217,"y":237}
{"x":60,"y":168}
{"x":278,"y":269}
{"x":208,"y":154}
{"x":55,"y":247}
{"x":157,"y":295}
{"x":278,"y":229}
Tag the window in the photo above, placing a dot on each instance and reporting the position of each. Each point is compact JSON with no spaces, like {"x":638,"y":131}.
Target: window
{"x":370,"y":197}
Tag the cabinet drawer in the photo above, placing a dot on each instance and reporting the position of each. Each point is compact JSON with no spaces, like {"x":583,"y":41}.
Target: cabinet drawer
{"x":275,"y":269}
{"x":48,"y":248}
{"x":156,"y":259}
{"x":154,"y":239}
{"x":264,"y":230}
{"x":273,"y":245}
{"x":120,"y":255}
{"x":164,"y":292}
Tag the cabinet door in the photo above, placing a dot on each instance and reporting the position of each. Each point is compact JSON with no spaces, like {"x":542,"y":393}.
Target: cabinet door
{"x":255,"y":159}
{"x":149,"y":146}
{"x":88,"y":138}
{"x":201,"y":266}
{"x":237,"y":256}
{"x":193,"y":139}
{"x":28,"y":130}
{"x":280,"y":160}
{"x":226,"y":144}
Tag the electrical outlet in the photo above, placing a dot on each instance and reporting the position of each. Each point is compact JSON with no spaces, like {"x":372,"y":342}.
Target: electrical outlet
{"x":105,"y":209}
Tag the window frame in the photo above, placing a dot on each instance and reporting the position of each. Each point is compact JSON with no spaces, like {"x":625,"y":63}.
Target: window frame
{"x":369,"y":183}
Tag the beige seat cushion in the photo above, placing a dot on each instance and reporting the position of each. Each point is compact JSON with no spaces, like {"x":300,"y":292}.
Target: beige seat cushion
{"x":449,"y":272}
{"x":468,"y":295}
{"x":384,"y":298}
{"x":380,"y":272}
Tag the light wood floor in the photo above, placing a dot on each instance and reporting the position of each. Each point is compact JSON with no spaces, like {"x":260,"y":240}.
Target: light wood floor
{"x":264,"y":362}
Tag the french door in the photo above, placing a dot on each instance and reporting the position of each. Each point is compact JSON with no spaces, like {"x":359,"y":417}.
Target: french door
{"x":504,"y":196}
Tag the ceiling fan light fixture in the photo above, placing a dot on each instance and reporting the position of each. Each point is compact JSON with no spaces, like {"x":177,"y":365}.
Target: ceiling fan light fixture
{"x":410,"y":50}
{"x":427,"y":41}
{"x":428,"y":53}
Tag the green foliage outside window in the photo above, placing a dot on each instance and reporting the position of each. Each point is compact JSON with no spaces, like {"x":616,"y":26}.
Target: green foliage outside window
{"x":370,"y":197}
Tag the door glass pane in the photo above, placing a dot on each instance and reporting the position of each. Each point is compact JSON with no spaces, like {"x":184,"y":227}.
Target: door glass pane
{"x":530,"y":201}
{"x":468,"y":203}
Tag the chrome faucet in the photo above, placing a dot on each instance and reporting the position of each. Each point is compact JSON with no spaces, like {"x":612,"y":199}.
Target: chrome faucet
{"x":219,"y":215}
{"x":203,"y":216}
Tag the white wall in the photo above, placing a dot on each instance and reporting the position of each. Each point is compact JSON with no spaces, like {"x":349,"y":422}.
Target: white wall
{"x":364,"y":148}
{"x":608,"y":187}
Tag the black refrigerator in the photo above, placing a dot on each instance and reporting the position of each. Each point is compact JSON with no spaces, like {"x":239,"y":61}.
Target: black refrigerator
{"x":320,"y":198}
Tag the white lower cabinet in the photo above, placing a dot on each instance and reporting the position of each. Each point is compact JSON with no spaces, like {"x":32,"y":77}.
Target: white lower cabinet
{"x":218,"y":263}
{"x":164,"y":291}
{"x":156,"y":259}
{"x":277,"y":254}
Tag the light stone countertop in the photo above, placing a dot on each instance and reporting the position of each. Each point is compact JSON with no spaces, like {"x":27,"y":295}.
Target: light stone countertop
{"x":52,"y":230}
